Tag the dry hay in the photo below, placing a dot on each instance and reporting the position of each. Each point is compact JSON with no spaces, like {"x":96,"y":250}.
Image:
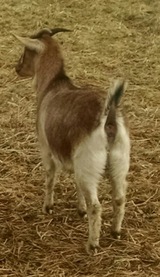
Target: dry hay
{"x":110,"y":39}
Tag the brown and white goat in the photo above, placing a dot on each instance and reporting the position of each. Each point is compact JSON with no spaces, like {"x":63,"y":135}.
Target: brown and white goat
{"x":79,"y":129}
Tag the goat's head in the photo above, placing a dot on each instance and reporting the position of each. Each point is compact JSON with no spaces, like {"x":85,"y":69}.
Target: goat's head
{"x":35,"y":47}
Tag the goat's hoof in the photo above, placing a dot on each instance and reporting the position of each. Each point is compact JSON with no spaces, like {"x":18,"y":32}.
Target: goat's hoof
{"x":82,"y":213}
{"x":92,"y":247}
{"x":47,"y":209}
{"x":115,"y":234}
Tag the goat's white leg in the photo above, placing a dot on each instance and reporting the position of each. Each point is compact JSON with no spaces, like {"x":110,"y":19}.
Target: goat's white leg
{"x":50,"y":182}
{"x":89,"y":163}
{"x":94,"y":211}
{"x":118,"y":198}
{"x":81,"y":201}
{"x":89,"y":191}
{"x":119,"y":166}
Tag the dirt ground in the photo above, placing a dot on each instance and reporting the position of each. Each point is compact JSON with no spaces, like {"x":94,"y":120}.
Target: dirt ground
{"x":110,"y":39}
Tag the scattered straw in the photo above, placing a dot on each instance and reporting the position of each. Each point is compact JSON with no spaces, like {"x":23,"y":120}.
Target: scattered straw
{"x":111,"y":39}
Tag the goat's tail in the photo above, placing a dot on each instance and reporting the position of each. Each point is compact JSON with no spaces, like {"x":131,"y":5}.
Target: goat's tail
{"x":115,"y":93}
{"x":113,"y":101}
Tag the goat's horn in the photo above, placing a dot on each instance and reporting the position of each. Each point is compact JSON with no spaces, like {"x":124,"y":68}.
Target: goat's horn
{"x":58,"y":30}
{"x":50,"y":32}
{"x":42,"y":32}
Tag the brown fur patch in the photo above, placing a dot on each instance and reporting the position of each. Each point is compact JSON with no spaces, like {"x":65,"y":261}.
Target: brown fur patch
{"x":48,"y":65}
{"x":72,"y":114}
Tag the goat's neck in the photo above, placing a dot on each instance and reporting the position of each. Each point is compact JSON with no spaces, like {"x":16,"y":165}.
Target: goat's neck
{"x":47,"y":72}
{"x":53,"y":77}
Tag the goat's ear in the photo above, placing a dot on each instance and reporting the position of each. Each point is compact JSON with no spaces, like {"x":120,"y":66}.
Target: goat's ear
{"x":32,"y":44}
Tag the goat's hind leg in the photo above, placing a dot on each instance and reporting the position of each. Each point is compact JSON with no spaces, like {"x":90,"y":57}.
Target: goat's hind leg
{"x":88,"y":169}
{"x":118,"y":199}
{"x":119,"y":166}
{"x":89,"y":190}
{"x":81,"y":201}
{"x":50,"y":181}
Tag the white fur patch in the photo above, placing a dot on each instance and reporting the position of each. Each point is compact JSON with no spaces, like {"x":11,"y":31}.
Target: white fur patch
{"x":120,"y":150}
{"x":90,"y":156}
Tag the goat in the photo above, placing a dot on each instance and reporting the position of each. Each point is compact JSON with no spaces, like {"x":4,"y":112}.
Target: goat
{"x":78,"y":129}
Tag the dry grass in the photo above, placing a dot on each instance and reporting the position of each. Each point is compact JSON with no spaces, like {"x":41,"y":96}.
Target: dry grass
{"x":110,"y":39}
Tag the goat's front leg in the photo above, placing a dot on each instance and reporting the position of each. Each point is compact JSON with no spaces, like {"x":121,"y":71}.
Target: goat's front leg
{"x":49,"y":194}
{"x":49,"y":183}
